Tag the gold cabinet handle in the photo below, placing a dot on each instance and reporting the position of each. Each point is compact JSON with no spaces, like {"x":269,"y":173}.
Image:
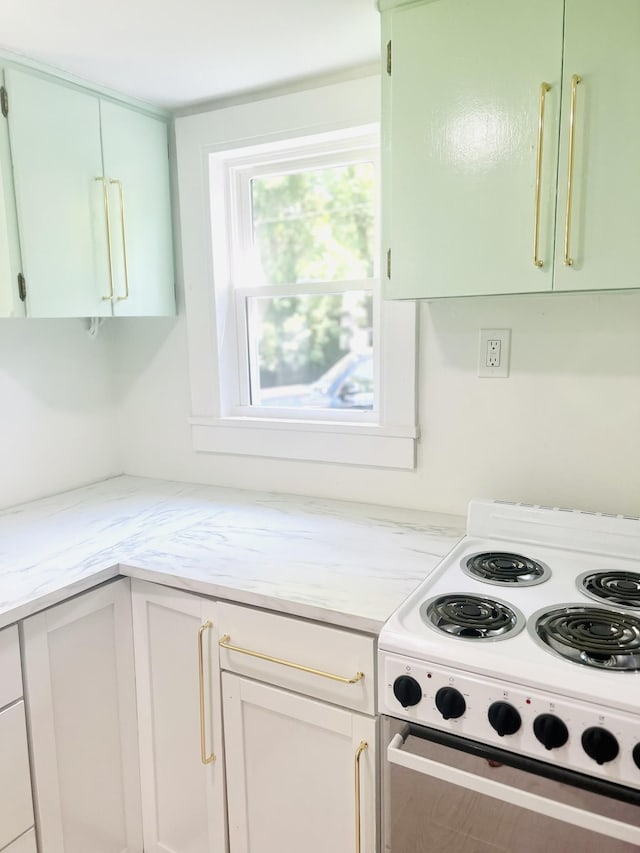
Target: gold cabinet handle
{"x":544,"y":88}
{"x":123,"y":231}
{"x":225,"y":643}
{"x":361,"y":748}
{"x":568,"y":260}
{"x":107,"y":216}
{"x":206,"y":759}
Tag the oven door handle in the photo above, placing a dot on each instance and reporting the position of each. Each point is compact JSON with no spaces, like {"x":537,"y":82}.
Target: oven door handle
{"x":514,"y":796}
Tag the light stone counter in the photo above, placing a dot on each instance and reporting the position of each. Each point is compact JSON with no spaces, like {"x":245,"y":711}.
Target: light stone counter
{"x":343,"y":563}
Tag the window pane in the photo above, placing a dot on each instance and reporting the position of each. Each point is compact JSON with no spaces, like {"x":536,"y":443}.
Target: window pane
{"x":313,"y":351}
{"x":314,"y":226}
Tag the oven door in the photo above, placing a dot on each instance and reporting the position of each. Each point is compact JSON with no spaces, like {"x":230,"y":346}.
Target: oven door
{"x":441,"y":792}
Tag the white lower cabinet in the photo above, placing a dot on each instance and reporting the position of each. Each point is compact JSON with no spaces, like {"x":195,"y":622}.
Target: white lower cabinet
{"x":80,"y":693}
{"x":300,"y":753}
{"x":139,"y":744}
{"x":300,"y":773}
{"x":178,"y":684}
{"x":289,"y":761}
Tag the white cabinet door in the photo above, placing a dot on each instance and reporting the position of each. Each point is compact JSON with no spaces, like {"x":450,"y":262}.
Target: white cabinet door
{"x":136,"y":162}
{"x":461,"y":114}
{"x":57,"y":157}
{"x":601,"y":47}
{"x":183,"y":804}
{"x":291,"y":772}
{"x":80,"y":695}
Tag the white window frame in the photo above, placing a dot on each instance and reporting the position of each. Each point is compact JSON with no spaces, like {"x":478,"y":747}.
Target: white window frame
{"x":219,"y":422}
{"x":240,"y":169}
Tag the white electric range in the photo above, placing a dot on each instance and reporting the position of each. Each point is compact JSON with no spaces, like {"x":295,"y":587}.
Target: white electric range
{"x":527,"y":637}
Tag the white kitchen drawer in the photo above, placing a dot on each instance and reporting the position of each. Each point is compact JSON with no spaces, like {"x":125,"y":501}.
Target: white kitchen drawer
{"x":10,"y":675}
{"x":16,"y":807}
{"x":308,"y":645}
{"x":25,"y":844}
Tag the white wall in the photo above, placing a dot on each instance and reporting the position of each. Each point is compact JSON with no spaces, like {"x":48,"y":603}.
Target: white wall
{"x":57,"y":422}
{"x":562,"y":430}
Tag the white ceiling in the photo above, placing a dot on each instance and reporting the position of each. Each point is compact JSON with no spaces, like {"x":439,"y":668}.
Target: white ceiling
{"x":178,"y":52}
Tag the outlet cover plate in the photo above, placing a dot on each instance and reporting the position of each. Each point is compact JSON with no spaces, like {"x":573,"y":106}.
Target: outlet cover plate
{"x":494,"y":346}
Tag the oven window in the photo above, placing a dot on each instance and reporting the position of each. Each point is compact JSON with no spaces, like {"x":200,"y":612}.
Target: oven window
{"x":425,"y":814}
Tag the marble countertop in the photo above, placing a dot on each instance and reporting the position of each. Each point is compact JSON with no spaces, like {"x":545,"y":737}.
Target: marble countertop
{"x":347,"y":564}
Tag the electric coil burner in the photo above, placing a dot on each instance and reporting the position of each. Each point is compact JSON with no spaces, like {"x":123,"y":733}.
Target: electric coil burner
{"x":501,"y":567}
{"x":591,"y":636}
{"x":472,"y":617}
{"x":618,"y":588}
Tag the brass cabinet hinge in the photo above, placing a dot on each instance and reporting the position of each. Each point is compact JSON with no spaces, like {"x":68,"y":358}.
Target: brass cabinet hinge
{"x":4,"y":101}
{"x":22,"y":288}
{"x":389,"y":58}
{"x":389,"y":264}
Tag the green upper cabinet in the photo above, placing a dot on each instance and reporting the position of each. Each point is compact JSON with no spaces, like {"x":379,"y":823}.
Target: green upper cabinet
{"x":136,"y":163}
{"x":602,"y":48}
{"x":462,"y":121}
{"x":92,"y":193}
{"x":10,"y":267}
{"x":477,"y":99}
{"x":55,"y":144}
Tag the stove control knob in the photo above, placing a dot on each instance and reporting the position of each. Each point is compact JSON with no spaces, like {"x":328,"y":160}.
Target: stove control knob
{"x":600,"y":744}
{"x":450,"y":702}
{"x":504,"y":718}
{"x":636,"y":755}
{"x":550,"y":731}
{"x":407,"y":691}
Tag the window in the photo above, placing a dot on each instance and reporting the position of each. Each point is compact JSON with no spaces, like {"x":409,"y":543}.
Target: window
{"x":302,"y":226}
{"x":292,"y":352}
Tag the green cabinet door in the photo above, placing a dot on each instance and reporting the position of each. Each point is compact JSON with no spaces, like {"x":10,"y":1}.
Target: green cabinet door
{"x":57,"y":159}
{"x":136,"y":163}
{"x":602,"y":48}
{"x":461,"y":117}
{"x":10,"y":266}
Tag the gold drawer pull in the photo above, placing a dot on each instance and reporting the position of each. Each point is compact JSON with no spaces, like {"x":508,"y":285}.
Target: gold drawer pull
{"x":206,"y":759}
{"x":123,"y":232}
{"x":544,"y":88}
{"x":225,"y":643}
{"x":568,"y":260}
{"x":107,"y":216}
{"x":363,"y":745}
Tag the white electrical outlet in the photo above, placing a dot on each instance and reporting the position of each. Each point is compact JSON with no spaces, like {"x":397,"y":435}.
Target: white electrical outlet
{"x":493,"y":353}
{"x":494,"y":349}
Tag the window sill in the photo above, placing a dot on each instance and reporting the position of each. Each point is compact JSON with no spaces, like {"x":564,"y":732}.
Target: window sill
{"x":317,"y":441}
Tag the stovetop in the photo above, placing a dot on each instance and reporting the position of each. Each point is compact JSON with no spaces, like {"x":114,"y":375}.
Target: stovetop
{"x":516,"y":656}
{"x":550,"y":580}
{"x":503,"y":642}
